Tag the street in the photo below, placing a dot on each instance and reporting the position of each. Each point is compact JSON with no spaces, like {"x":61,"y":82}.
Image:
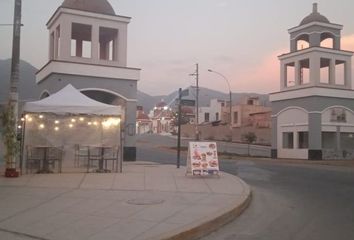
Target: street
{"x":290,"y":201}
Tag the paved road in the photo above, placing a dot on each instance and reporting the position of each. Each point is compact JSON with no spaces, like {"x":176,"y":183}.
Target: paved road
{"x":294,"y":202}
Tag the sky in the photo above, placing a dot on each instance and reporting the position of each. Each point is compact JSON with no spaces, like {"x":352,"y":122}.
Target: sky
{"x":166,"y":38}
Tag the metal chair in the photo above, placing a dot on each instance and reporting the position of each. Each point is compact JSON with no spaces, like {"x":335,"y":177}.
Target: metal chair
{"x":34,"y":157}
{"x":111,"y":154}
{"x":55,"y":155}
{"x":81,"y":152}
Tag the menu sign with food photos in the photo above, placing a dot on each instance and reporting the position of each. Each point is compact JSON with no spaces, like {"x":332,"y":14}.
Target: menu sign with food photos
{"x":203,"y":158}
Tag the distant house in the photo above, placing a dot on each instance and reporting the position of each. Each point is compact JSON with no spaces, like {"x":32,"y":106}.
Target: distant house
{"x":212,"y":113}
{"x":143,"y":122}
{"x":162,"y":118}
{"x":241,"y":113}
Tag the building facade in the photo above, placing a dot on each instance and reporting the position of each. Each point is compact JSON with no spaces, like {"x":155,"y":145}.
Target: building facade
{"x":313,"y":114}
{"x":212,"y":113}
{"x":241,"y":112}
{"x":88,"y":49}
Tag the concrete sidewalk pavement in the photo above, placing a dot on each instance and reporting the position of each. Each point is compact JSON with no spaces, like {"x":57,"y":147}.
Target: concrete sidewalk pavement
{"x":146,"y":201}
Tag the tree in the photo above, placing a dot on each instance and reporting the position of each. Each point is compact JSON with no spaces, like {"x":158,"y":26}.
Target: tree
{"x":249,"y":138}
{"x":10,"y":139}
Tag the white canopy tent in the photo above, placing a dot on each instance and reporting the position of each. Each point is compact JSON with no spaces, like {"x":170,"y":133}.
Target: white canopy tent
{"x":71,"y":121}
{"x":69,"y":100}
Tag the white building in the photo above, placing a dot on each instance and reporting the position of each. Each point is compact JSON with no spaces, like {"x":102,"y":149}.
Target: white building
{"x":313,"y":114}
{"x":212,"y":113}
{"x":88,"y":49}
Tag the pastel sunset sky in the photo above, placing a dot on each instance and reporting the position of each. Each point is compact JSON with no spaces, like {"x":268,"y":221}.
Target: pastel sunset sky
{"x":240,"y":39}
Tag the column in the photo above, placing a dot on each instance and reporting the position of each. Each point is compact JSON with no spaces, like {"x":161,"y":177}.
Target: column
{"x":274,"y":150}
{"x":65,"y":42}
{"x":315,"y":136}
{"x":78,"y":48}
{"x":297,"y":73}
{"x":95,"y":39}
{"x":348,"y":73}
{"x":315,"y":69}
{"x":283,"y":76}
{"x":129,"y":132}
{"x":122,"y":46}
{"x":332,"y":72}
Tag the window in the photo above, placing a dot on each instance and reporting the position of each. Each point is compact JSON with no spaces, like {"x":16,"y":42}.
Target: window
{"x":288,"y":140}
{"x":206,"y":117}
{"x":305,"y":71}
{"x":108,"y":44}
{"x":216,"y":116}
{"x":346,"y":140}
{"x":340,"y":72}
{"x":303,"y":140}
{"x":328,"y":140}
{"x":338,"y":115}
{"x":235,"y":117}
{"x":324,"y":71}
{"x":289,"y":74}
{"x":81,"y":40}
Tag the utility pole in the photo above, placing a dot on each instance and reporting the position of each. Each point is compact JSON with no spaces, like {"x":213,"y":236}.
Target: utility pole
{"x":196,"y":74}
{"x":179,"y":127}
{"x":15,"y":67}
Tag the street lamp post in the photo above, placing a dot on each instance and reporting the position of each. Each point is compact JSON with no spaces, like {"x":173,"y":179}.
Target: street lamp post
{"x":230,"y":93}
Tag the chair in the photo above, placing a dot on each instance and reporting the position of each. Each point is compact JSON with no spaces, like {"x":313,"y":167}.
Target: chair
{"x":55,"y":155}
{"x":111,"y":154}
{"x":94,"y":154}
{"x":81,"y":152}
{"x":34,"y":157}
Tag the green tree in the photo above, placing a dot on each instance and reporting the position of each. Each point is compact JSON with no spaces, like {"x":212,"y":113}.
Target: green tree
{"x":249,"y":138}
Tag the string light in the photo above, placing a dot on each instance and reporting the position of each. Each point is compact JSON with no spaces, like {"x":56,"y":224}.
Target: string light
{"x":29,"y":119}
{"x":40,"y":116}
{"x":95,"y":123}
{"x":22,"y":119}
{"x":56,"y":121}
{"x":56,"y":128}
{"x":89,"y":123}
{"x":19,"y":126}
{"x":82,"y":119}
{"x":73,"y":120}
{"x":41,"y":126}
{"x":71,"y":125}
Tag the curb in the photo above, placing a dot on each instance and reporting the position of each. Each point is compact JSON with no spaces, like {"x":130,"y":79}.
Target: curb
{"x":211,"y":223}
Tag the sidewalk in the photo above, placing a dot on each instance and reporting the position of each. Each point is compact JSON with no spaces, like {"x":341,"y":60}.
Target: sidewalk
{"x":146,"y":201}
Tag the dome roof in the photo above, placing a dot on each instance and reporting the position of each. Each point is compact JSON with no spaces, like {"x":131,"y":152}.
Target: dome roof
{"x":96,"y":6}
{"x":315,"y":16}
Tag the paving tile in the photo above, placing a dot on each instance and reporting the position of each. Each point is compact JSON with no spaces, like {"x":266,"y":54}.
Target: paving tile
{"x":124,"y":230}
{"x":159,"y":212}
{"x":56,"y":180}
{"x":158,"y":230}
{"x":82,"y":229}
{"x":129,"y":181}
{"x":98,"y":181}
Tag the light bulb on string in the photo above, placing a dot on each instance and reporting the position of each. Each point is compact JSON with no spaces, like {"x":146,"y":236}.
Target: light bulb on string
{"x":41,"y":116}
{"x":41,"y":126}
{"x":56,"y":129}
{"x":56,"y":121}
{"x":81,"y":119}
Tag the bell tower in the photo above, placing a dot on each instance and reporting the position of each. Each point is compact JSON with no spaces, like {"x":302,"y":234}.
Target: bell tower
{"x":88,"y":49}
{"x":314,"y":110}
{"x":315,"y":57}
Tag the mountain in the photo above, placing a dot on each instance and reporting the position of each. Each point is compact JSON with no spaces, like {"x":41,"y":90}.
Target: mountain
{"x":205,"y":95}
{"x":27,"y":85}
